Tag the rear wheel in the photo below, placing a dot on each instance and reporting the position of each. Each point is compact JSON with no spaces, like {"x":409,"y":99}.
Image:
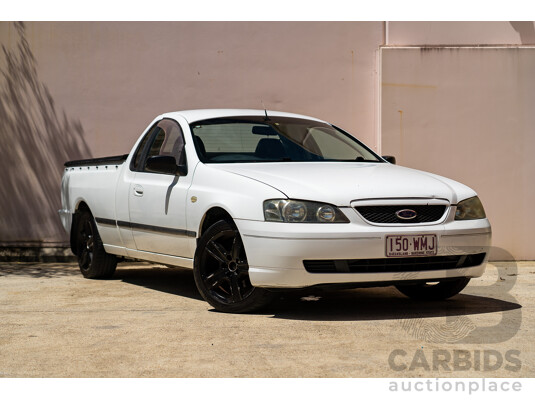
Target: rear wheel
{"x":434,"y":291}
{"x":221,"y":271}
{"x":93,"y":260}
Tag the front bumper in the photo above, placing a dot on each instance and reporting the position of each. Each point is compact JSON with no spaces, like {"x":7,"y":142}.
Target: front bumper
{"x":276,"y":251}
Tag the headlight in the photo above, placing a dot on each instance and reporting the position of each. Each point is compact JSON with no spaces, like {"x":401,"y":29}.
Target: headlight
{"x":470,"y":209}
{"x":301,"y":211}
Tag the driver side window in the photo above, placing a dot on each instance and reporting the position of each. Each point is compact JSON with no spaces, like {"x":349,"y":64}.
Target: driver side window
{"x":168,"y":140}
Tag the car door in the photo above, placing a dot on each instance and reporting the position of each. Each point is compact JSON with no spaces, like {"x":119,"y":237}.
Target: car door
{"x":157,"y":201}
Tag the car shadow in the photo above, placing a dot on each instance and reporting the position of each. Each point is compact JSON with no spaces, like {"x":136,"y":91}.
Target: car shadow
{"x":177,"y":281}
{"x":315,"y":304}
{"x":370,"y":304}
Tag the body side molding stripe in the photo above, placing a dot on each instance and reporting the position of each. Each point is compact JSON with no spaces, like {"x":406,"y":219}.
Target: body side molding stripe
{"x":106,"y":221}
{"x":143,"y":227}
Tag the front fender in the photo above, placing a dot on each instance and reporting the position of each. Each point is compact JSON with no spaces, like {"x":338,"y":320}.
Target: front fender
{"x":239,"y":196}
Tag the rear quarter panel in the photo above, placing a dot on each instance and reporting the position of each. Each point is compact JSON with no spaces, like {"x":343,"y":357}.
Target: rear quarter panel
{"x":95,"y":186}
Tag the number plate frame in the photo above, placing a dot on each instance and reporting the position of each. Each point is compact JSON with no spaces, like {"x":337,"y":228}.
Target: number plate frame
{"x":409,"y":250}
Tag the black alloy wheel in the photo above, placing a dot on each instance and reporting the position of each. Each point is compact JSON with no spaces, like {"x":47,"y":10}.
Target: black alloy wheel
{"x":85,"y":244}
{"x":221,"y":271}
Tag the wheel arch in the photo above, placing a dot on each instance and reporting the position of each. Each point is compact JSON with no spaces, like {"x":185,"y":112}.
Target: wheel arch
{"x":211,"y":216}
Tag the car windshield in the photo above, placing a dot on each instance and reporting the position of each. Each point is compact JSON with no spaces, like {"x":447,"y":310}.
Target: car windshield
{"x":275,"y":139}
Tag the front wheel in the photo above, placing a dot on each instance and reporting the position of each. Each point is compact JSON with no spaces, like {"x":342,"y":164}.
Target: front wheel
{"x":434,"y":291}
{"x":221,"y":271}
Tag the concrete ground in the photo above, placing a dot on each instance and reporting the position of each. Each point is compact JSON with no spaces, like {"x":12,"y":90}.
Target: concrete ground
{"x":149,"y":321}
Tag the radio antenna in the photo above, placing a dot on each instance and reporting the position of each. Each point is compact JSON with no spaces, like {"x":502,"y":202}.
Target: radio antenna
{"x":265,"y":111}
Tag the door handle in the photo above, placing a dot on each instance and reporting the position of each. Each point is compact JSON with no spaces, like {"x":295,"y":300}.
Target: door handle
{"x":138,"y":190}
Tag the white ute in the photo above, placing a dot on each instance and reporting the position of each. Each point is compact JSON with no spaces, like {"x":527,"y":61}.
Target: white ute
{"x":254,"y":200}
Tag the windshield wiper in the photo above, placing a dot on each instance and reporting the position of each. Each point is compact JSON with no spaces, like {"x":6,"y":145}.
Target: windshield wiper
{"x":283,"y":159}
{"x":362,"y":160}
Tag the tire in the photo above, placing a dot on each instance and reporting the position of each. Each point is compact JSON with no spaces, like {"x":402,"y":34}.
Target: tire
{"x":221,"y":271}
{"x":93,"y":260}
{"x":439,"y":291}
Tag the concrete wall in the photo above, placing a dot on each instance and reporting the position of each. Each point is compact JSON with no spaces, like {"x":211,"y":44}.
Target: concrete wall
{"x":467,"y":113}
{"x":72,"y":90}
{"x":75,"y":90}
{"x":461,"y":33}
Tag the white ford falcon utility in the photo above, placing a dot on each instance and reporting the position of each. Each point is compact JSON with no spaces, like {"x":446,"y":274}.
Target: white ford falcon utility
{"x":254,"y":200}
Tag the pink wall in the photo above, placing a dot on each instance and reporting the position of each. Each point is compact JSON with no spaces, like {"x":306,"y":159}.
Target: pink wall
{"x":74,"y":90}
{"x":467,"y":114}
{"x":460,"y":33}
{"x":116,"y":77}
{"x":104,"y":82}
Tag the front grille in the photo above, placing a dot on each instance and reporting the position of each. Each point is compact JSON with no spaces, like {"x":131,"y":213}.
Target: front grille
{"x":387,"y":214}
{"x":408,"y":264}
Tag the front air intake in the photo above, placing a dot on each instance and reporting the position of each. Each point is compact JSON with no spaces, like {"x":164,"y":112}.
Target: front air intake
{"x":405,"y":264}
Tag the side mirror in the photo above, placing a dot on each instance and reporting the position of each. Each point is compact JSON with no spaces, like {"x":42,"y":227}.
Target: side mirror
{"x":390,"y":159}
{"x":165,"y":165}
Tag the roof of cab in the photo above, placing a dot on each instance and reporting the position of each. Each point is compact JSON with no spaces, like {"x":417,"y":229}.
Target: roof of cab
{"x":198,"y":115}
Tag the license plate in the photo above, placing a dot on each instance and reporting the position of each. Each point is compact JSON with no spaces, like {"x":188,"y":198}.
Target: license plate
{"x":411,"y":245}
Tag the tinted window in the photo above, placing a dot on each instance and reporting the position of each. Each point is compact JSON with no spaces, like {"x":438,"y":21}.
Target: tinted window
{"x":139,"y":152}
{"x":257,"y":139}
{"x":168,"y":140}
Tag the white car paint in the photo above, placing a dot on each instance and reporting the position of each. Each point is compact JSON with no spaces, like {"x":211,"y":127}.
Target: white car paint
{"x":275,"y":251}
{"x":340,"y":184}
